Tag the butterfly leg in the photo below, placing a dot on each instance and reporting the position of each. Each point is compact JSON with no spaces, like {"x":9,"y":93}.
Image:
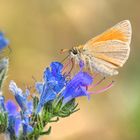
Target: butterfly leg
{"x":71,"y":63}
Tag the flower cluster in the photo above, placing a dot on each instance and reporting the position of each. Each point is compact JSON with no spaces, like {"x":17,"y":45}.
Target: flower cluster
{"x":53,"y":98}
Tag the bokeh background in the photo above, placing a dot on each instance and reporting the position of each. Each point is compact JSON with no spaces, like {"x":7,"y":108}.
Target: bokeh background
{"x":38,"y":29}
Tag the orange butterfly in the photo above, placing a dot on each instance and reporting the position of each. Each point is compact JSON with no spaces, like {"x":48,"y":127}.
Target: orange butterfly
{"x":107,"y":52}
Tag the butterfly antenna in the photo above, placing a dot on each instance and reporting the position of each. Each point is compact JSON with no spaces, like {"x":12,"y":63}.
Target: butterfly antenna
{"x":63,"y":51}
{"x":71,"y":66}
{"x":65,"y":65}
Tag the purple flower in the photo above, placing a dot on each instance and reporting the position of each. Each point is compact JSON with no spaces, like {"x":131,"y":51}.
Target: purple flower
{"x":77,"y":86}
{"x":14,"y":119}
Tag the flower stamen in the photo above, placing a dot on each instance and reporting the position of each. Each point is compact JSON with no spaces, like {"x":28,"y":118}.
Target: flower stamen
{"x":103,"y":89}
{"x":99,"y":82}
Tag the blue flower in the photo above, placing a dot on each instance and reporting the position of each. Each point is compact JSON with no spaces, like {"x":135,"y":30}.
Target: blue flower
{"x":27,"y":128}
{"x":77,"y":86}
{"x":55,"y":77}
{"x":14,"y":119}
{"x":53,"y":83}
{"x":3,"y":41}
{"x":20,"y":97}
{"x":11,"y":108}
{"x":25,"y":105}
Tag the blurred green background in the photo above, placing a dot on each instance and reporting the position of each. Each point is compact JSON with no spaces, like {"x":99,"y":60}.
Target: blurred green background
{"x":38,"y":29}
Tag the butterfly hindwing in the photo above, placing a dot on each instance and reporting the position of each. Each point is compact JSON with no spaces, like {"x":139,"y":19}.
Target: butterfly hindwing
{"x":113,"y":52}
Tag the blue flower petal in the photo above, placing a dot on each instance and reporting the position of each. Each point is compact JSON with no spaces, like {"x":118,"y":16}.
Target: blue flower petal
{"x":20,"y":97}
{"x":3,"y":41}
{"x":14,"y":120}
{"x":30,"y":107}
{"x":47,"y":75}
{"x":77,"y":86}
{"x":47,"y":95}
{"x":17,"y":126}
{"x":56,"y":68}
{"x":11,"y":107}
{"x":39,"y":87}
{"x":27,"y":128}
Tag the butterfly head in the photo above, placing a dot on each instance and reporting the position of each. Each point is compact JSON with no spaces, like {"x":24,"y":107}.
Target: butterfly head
{"x":73,"y":51}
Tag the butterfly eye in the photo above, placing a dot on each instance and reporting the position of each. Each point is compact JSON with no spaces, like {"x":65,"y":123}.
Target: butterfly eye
{"x":74,"y":52}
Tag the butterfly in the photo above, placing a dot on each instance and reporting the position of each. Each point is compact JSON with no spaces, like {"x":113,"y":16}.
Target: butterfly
{"x":105,"y":53}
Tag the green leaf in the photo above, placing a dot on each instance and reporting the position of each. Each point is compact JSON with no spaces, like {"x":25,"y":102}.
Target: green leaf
{"x":3,"y":122}
{"x":46,"y":132}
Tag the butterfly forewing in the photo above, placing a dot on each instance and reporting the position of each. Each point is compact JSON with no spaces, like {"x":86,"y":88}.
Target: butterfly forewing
{"x":121,"y":31}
